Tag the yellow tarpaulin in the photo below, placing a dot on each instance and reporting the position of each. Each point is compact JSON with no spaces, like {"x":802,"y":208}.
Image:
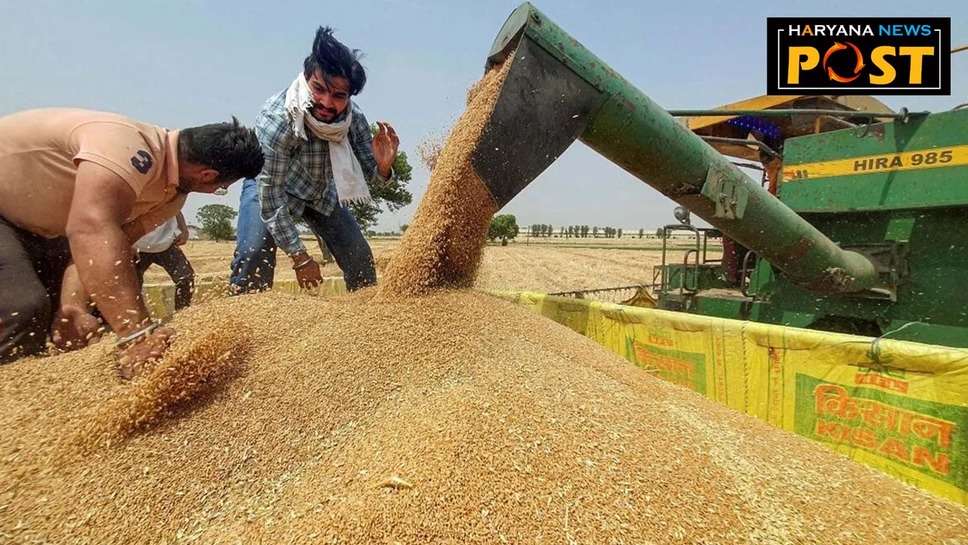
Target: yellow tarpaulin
{"x":900,"y":407}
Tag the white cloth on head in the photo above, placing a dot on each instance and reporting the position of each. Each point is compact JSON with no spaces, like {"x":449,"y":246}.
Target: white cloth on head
{"x":347,"y":172}
{"x":160,"y":239}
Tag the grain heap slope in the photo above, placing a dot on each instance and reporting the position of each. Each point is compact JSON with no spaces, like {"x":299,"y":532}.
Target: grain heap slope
{"x":452,"y":418}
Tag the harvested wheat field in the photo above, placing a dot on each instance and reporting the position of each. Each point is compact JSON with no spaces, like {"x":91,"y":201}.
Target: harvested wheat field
{"x":548,"y":269}
{"x":415,"y":421}
{"x":518,"y":266}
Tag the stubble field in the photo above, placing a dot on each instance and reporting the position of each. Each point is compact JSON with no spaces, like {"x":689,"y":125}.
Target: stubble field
{"x":545,"y":265}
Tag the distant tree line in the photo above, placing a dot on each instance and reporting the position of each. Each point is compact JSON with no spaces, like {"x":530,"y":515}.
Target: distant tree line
{"x":504,"y":227}
{"x":538,"y":230}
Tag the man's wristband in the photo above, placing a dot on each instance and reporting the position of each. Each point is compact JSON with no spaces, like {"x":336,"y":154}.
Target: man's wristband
{"x":137,"y":335}
{"x":298,"y":266}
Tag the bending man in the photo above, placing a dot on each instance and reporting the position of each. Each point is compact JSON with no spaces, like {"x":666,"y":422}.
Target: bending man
{"x":83,"y":186}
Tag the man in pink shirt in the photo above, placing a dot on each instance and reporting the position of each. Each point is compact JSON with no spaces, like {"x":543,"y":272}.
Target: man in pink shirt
{"x":82,"y":186}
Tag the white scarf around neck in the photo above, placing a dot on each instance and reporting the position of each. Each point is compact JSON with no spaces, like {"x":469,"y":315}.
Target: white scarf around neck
{"x":347,"y":173}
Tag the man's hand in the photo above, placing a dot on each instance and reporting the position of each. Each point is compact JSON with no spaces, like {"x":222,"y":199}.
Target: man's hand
{"x":135,"y":357}
{"x":307,"y":270}
{"x":73,"y":328}
{"x":385,"y":146}
{"x":182,"y":238}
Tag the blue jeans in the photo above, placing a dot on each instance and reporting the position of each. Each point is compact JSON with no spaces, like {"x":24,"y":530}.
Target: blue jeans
{"x":254,"y":263}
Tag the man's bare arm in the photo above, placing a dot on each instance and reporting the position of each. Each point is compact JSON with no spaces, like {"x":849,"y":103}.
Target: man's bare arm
{"x":101,"y":250}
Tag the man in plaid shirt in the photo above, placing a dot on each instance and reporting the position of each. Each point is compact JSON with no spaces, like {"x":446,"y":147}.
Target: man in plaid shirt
{"x":319,"y":155}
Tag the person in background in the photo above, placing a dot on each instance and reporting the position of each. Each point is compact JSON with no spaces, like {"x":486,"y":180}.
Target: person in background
{"x":162,"y":247}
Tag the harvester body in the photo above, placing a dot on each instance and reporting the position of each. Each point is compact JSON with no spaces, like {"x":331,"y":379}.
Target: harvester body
{"x":896,"y":192}
{"x":885,"y":252}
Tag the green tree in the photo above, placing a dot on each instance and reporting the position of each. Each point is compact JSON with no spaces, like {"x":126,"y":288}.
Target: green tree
{"x":660,"y":233}
{"x":504,"y":227}
{"x":403,"y":228}
{"x":217,"y":221}
{"x":393,"y":194}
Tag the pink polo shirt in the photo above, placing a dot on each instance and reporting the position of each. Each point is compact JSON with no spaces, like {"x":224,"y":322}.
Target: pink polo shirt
{"x":40,"y":151}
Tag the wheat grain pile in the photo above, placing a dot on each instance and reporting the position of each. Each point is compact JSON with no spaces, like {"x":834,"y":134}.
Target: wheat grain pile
{"x":451,"y":418}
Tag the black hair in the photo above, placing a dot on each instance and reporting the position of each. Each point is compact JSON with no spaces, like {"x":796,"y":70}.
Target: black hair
{"x":332,"y":58}
{"x":229,"y":148}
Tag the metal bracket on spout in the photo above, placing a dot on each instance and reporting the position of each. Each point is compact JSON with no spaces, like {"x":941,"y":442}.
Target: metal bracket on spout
{"x":730,"y":195}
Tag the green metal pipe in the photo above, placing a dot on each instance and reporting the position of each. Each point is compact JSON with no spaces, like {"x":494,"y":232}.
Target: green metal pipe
{"x":556,"y":91}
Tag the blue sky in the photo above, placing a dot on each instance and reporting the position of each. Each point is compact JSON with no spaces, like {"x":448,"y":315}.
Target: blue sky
{"x":180,"y":63}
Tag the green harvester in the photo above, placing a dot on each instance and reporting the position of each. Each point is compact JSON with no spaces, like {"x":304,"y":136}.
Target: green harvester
{"x":862,"y":229}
